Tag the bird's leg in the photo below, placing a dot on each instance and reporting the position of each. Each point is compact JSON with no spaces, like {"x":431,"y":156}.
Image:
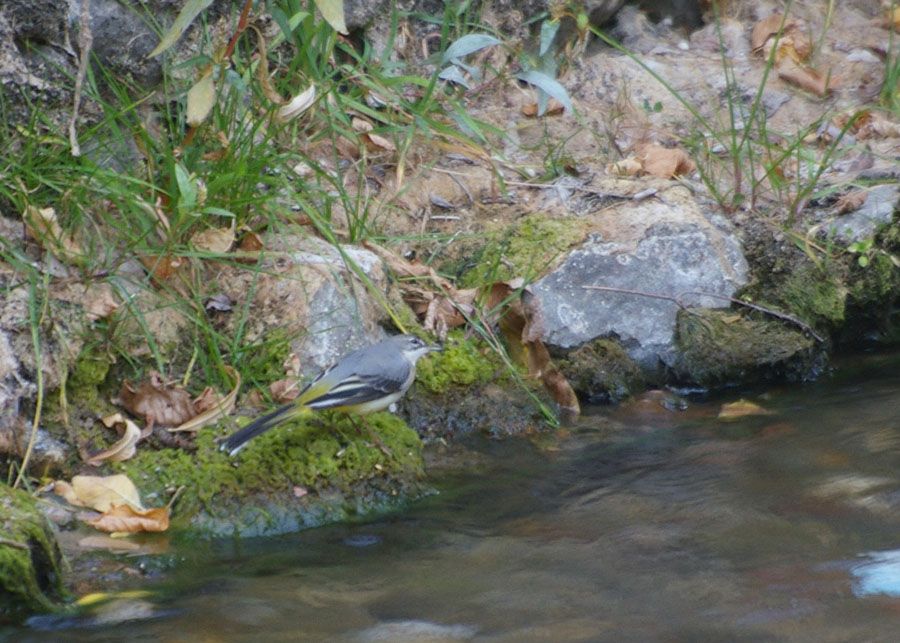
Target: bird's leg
{"x":372,"y":435}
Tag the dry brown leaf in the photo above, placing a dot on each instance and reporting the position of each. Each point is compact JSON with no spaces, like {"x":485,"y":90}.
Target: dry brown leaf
{"x":626,"y":167}
{"x":156,"y":402}
{"x":285,"y":390}
{"x":666,"y":163}
{"x":125,"y":447}
{"x":793,"y":41}
{"x":99,"y":492}
{"x":378,"y":142}
{"x":210,"y":406}
{"x":521,"y":327}
{"x":870,"y":124}
{"x":126,"y":519}
{"x":43,"y":226}
{"x":99,"y":302}
{"x":805,"y":77}
{"x":162,"y":268}
{"x":361,"y":125}
{"x":215,"y":240}
{"x":740,"y":409}
{"x":851,"y":201}
{"x":554,"y":108}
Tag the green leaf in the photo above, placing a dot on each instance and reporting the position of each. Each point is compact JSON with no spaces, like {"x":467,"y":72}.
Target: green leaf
{"x":187,"y":188}
{"x":468,"y":44}
{"x":863,"y":261}
{"x":191,"y":10}
{"x":201,"y":98}
{"x":548,"y":33}
{"x":549,"y":85}
{"x":333,"y":12}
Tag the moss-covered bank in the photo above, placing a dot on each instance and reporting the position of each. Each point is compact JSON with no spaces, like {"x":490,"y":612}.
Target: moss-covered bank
{"x":302,"y":474}
{"x":31,"y":565}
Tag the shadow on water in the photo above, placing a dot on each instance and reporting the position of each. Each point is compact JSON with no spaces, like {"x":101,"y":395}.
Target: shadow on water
{"x":639,"y":524}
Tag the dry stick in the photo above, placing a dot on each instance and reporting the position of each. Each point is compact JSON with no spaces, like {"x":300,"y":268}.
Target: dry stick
{"x":13,"y":543}
{"x":677,"y":301}
{"x":85,"y":41}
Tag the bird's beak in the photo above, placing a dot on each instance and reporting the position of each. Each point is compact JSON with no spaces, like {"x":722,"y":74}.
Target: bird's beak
{"x":435,"y":348}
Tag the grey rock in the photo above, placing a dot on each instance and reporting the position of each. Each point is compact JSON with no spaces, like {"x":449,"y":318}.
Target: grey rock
{"x":663,"y":245}
{"x":877,"y":211}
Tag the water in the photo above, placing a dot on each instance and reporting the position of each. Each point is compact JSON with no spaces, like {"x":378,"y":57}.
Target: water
{"x":640,"y":524}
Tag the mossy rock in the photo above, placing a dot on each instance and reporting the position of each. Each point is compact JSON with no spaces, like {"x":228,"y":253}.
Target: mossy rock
{"x":721,"y":347}
{"x":526,"y":249}
{"x":31,"y":564}
{"x":816,"y":296}
{"x":462,"y":363}
{"x":601,"y":372}
{"x":305,"y":473}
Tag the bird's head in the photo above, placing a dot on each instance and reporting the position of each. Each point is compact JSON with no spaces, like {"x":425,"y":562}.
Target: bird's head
{"x":413,"y":347}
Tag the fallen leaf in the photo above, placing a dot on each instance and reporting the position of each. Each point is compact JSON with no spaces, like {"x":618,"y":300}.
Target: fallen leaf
{"x":870,"y":124}
{"x":214,"y":240}
{"x":626,"y":167}
{"x":376,"y":141}
{"x":156,"y":402}
{"x":162,"y":267}
{"x":554,"y":108}
{"x":851,"y":201}
{"x":125,"y":447}
{"x":805,"y":77}
{"x":126,"y":519}
{"x":220,"y":303}
{"x":210,"y":406}
{"x":666,"y":163}
{"x":299,"y":492}
{"x":361,"y":125}
{"x":285,"y":390}
{"x":43,"y":226}
{"x":793,"y":41}
{"x":741,"y":408}
{"x":99,"y":492}
{"x":99,"y":302}
{"x":297,"y":105}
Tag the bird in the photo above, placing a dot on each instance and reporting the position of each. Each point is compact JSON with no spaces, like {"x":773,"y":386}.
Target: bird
{"x":364,"y":381}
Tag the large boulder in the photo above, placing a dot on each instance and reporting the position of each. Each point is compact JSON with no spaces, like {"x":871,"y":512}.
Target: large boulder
{"x":662,"y":246}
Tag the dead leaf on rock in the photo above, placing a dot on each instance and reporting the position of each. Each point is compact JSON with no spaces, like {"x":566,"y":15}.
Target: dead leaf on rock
{"x":375,"y":142}
{"x":43,"y":226}
{"x":870,"y":124}
{"x":157,"y":402}
{"x":626,"y":167}
{"x":125,"y":447}
{"x":666,"y":163}
{"x":214,"y":240}
{"x":554,"y":108}
{"x":99,"y":492}
{"x":99,"y":302}
{"x":805,"y":77}
{"x":108,"y":543}
{"x":793,"y":41}
{"x":851,"y":201}
{"x":162,"y":267}
{"x":740,"y":409}
{"x":126,"y":519}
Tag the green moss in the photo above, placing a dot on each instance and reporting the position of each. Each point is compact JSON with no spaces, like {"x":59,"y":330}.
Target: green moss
{"x":320,"y":453}
{"x":815,"y":296}
{"x":86,"y":376}
{"x":263,"y":363}
{"x":602,"y":372}
{"x":463,"y":362}
{"x":524,"y":249}
{"x":30,"y":578}
{"x":720,"y":347}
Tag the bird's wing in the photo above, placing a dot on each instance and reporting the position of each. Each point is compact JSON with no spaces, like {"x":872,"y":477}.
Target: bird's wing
{"x":350,"y":391}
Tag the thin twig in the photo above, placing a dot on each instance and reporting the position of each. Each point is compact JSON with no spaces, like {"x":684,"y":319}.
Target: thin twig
{"x":677,"y":301}
{"x":85,"y":41}
{"x":13,"y":543}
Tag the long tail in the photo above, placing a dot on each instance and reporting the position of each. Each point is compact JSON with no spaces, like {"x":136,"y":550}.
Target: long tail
{"x":236,"y":441}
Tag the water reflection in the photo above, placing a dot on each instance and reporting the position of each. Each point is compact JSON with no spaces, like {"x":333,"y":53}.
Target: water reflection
{"x":640,"y":524}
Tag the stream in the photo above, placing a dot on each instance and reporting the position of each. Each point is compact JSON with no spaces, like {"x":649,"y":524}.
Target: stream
{"x":638,"y":524}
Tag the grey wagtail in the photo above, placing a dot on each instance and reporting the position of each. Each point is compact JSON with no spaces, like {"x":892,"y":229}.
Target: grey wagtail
{"x":367,"y":380}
